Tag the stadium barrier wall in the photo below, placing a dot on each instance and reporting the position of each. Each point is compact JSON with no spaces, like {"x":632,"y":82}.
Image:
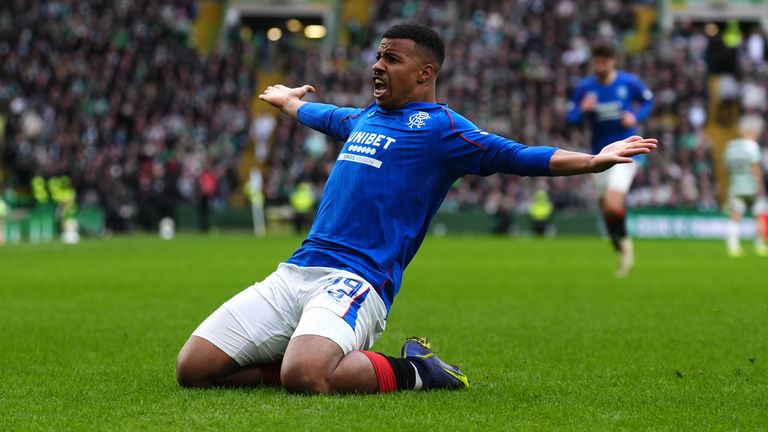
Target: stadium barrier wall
{"x":642,"y":223}
{"x":470,"y":221}
{"x":683,"y":224}
{"x":36,"y":225}
{"x":41,"y":225}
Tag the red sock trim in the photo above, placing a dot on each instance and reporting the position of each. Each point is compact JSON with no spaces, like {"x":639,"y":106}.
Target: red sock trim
{"x":612,"y":217}
{"x":385,"y":375}
{"x":270,"y":373}
{"x":765,"y":226}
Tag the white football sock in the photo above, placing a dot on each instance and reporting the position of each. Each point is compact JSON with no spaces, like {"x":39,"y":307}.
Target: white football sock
{"x":732,"y":235}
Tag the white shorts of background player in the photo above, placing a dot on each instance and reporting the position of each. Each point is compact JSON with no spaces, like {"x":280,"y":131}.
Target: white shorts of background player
{"x":617,"y":178}
{"x":739,"y":203}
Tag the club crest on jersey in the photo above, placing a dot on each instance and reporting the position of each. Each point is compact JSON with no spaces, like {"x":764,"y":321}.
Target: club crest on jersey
{"x":417,"y":119}
{"x":621,"y":92}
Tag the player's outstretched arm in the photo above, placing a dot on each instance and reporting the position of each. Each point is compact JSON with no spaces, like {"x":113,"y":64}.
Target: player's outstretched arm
{"x":569,"y":163}
{"x":286,"y":99}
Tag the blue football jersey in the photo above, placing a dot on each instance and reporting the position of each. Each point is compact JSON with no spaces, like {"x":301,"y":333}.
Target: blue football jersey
{"x":626,"y":93}
{"x":392,"y":174}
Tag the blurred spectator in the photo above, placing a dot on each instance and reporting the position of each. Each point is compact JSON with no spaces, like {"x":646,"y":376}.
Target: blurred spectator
{"x":207,"y":185}
{"x":303,"y":204}
{"x":540,"y":213}
{"x":261,"y":133}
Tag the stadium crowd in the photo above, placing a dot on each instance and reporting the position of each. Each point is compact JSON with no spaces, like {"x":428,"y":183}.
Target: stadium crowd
{"x":116,"y":97}
{"x":510,"y":68}
{"x":113,"y":95}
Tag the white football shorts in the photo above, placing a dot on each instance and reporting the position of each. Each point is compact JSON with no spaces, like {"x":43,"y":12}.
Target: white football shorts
{"x":739,"y":204}
{"x":255,"y":326}
{"x":616,"y":178}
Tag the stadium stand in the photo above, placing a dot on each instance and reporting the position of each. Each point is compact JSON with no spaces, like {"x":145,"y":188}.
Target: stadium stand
{"x":116,"y":97}
{"x":511,"y":65}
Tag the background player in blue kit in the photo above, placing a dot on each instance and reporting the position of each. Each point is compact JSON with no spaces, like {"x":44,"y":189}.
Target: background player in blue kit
{"x":308,"y":325}
{"x":613,"y":102}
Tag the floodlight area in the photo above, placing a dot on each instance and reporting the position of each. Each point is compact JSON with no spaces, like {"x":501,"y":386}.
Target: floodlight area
{"x":274,"y":34}
{"x":276,"y":28}
{"x":293,"y":25}
{"x":315,"y":31}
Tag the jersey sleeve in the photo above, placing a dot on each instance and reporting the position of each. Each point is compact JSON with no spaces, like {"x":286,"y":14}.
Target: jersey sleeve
{"x":465,"y":149}
{"x":642,"y":94}
{"x":329,"y":119}
{"x":574,"y":105}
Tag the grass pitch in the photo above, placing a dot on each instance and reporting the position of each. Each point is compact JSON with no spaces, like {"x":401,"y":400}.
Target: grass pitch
{"x":549,"y":339}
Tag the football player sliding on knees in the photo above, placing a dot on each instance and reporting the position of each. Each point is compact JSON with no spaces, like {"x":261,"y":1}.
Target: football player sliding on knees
{"x":310,"y":325}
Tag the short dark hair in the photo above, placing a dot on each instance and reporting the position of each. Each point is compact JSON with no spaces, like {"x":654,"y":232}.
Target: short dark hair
{"x":425,"y":38}
{"x":603,"y":48}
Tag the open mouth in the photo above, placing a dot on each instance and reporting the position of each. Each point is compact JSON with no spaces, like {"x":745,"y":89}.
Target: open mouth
{"x":379,"y":87}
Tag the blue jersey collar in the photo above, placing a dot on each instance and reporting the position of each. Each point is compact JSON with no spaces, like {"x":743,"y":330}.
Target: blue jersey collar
{"x":412,"y":106}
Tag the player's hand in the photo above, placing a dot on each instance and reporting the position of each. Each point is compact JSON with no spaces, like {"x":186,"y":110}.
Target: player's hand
{"x":278,"y":94}
{"x":628,"y":119}
{"x":588,"y":103}
{"x":622,"y":152}
{"x":285,"y":98}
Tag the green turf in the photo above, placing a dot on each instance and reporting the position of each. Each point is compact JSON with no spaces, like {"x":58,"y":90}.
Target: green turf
{"x":549,"y":339}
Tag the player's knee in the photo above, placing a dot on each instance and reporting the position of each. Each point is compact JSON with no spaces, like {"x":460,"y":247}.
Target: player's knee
{"x":305,"y":379}
{"x":189,"y":373}
{"x":613,"y":203}
{"x":185,"y":376}
{"x":614,"y":207}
